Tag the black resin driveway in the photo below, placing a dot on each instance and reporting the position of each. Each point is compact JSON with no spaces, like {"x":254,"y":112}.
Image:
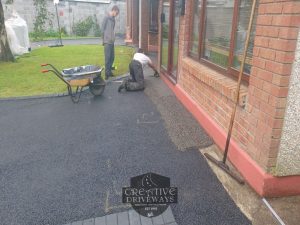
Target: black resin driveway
{"x":62,"y":162}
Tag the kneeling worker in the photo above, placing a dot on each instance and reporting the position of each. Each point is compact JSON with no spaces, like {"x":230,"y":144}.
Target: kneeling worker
{"x":136,"y":80}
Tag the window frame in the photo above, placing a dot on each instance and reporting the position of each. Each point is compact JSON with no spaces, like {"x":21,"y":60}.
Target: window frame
{"x":191,"y":32}
{"x":153,"y":17}
{"x":229,"y":70}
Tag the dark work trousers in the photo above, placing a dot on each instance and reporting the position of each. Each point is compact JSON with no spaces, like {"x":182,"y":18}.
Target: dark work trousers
{"x":136,"y":80}
{"x":109,"y":51}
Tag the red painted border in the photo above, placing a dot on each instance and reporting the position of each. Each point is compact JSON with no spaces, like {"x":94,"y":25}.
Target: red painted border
{"x":264,"y":184}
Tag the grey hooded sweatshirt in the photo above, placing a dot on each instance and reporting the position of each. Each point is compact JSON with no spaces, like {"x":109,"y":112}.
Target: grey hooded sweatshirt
{"x":108,"y":26}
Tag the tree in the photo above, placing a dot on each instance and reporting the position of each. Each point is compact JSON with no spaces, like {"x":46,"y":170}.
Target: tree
{"x":5,"y":52}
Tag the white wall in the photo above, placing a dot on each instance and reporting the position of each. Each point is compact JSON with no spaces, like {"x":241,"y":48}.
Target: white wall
{"x":72,"y":10}
{"x":288,"y":161}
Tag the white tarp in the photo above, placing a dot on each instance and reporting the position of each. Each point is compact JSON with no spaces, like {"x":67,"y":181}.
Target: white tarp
{"x":17,"y":34}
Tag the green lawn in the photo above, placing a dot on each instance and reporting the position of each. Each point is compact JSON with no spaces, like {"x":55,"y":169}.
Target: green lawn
{"x":165,"y":57}
{"x":23,"y":77}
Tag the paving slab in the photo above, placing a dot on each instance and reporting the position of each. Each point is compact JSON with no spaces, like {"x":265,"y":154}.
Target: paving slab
{"x":158,"y":220}
{"x":146,"y":221}
{"x":112,"y":219}
{"x":123,"y":218}
{"x":100,"y":220}
{"x":89,"y":222}
{"x":129,"y":217}
{"x":134,"y":218}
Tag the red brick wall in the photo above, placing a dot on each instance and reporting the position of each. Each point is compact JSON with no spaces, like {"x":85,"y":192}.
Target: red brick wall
{"x":258,"y":125}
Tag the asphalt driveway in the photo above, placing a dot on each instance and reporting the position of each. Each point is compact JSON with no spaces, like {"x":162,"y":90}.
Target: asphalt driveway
{"x":63,"y":162}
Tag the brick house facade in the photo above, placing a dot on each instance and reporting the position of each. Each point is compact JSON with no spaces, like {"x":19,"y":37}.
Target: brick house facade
{"x":264,"y":146}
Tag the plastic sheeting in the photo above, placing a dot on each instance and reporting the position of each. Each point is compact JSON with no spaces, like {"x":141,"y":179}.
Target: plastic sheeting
{"x":17,"y":34}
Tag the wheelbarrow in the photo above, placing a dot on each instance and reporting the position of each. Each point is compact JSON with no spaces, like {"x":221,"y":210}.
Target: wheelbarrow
{"x":80,"y":77}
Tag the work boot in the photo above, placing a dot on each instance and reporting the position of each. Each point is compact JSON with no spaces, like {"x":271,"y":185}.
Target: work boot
{"x":122,"y":86}
{"x":107,"y":76}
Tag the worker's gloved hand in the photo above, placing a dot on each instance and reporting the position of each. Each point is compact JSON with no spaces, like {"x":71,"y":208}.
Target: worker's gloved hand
{"x":156,"y":74}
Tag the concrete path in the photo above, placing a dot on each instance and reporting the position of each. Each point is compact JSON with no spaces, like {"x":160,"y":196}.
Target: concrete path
{"x":63,"y":162}
{"x":80,"y":41}
{"x":129,"y":218}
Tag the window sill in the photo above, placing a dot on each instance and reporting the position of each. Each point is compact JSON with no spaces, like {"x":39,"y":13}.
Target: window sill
{"x":153,"y":31}
{"x":217,"y":81}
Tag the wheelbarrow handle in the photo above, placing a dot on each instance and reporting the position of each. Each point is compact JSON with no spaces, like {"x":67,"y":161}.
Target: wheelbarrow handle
{"x":48,"y":64}
{"x":54,"y":70}
{"x":57,"y":74}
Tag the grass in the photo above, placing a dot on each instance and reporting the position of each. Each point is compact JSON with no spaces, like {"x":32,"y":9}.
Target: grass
{"x":24,"y":77}
{"x":165,"y":57}
{"x":219,"y":59}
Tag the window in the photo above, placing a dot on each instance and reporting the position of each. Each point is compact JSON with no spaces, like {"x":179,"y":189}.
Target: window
{"x":218,"y":34}
{"x":241,"y":32}
{"x":153,"y":20}
{"x":196,"y":26}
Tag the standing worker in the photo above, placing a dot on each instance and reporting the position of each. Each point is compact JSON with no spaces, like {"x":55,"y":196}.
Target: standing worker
{"x":136,"y":80}
{"x":108,"y":26}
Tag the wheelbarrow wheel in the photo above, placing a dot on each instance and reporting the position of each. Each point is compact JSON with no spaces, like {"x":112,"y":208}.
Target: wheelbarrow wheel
{"x":96,"y":90}
{"x":97,"y":87}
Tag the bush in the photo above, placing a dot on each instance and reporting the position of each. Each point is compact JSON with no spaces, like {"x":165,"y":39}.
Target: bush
{"x":63,"y":31}
{"x":96,"y":27}
{"x":36,"y":36}
{"x":97,"y":30}
{"x":82,"y":28}
{"x":51,"y":33}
